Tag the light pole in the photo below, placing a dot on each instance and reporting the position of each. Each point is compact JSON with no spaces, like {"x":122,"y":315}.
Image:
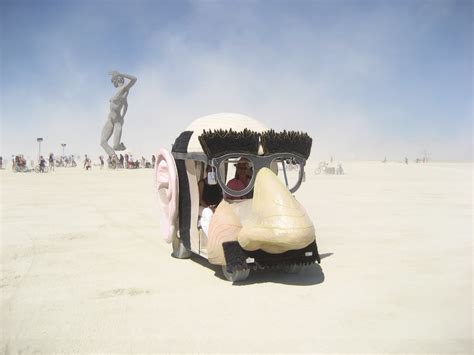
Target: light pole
{"x":39,"y":140}
{"x":63,"y":145}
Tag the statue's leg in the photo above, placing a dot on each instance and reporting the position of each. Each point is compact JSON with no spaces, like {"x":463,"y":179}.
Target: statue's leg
{"x":118,"y":136}
{"x":106,"y":134}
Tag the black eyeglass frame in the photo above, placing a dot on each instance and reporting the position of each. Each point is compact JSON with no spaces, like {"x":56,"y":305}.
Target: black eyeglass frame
{"x":259,"y":162}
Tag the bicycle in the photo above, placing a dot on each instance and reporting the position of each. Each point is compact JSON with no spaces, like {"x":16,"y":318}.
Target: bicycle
{"x":38,"y":169}
{"x":321,"y":168}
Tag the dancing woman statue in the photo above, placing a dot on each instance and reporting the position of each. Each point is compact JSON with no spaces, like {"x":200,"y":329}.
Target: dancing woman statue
{"x":118,"y":109}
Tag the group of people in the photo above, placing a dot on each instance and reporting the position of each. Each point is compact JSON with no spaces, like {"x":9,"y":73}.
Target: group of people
{"x":19,"y":163}
{"x":126,"y":162}
{"x":43,"y":164}
{"x":50,"y":162}
{"x":417,"y":160}
{"x":63,"y":161}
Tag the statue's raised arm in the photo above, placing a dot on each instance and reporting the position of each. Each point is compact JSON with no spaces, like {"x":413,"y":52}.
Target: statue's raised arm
{"x":132,"y":79}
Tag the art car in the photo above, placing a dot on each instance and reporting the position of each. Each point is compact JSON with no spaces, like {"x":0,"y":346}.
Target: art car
{"x":255,"y":222}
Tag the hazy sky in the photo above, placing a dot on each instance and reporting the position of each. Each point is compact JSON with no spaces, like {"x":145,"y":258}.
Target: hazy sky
{"x":366,"y":79}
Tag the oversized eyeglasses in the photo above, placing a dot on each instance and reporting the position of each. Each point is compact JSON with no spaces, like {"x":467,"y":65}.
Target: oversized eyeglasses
{"x":288,"y":167}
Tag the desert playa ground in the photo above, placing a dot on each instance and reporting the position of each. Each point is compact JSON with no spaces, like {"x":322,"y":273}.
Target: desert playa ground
{"x":84,"y":268}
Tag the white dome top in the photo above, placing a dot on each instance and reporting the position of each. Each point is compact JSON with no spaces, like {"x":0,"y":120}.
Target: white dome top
{"x":224,"y":120}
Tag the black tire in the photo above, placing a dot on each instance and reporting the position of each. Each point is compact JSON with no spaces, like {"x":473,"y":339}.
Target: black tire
{"x":236,"y":275}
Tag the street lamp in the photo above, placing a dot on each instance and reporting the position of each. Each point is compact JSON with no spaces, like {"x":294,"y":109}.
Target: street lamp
{"x":63,"y":145}
{"x":39,"y":140}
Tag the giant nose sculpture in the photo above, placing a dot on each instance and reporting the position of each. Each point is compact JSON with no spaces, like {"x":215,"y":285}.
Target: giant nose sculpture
{"x":273,"y":221}
{"x":277,"y":222}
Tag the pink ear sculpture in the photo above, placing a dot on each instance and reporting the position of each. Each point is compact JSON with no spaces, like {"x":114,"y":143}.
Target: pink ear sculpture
{"x":166,"y":183}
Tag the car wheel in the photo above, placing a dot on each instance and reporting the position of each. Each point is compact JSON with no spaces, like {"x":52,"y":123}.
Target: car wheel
{"x":236,"y":275}
{"x":179,"y":250}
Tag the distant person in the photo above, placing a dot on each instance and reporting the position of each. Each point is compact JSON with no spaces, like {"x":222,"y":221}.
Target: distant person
{"x":114,"y":161}
{"x":87,"y":163}
{"x":127,"y":161}
{"x":42,"y":164}
{"x":51,"y":162}
{"x":121,"y":161}
{"x":406,"y":160}
{"x":101,"y":158}
{"x":1,"y":162}
{"x":339,"y":170}
{"x":16,"y":163}
{"x":23,"y":162}
{"x":153,"y":160}
{"x":20,"y":163}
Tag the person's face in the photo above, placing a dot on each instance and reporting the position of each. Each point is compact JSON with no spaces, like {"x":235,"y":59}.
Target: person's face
{"x":242,"y":170}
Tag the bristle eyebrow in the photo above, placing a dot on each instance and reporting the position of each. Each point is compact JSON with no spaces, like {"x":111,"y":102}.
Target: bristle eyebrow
{"x":216,"y":143}
{"x":286,"y":142}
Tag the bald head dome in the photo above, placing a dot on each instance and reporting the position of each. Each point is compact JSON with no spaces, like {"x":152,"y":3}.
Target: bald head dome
{"x":234,"y":121}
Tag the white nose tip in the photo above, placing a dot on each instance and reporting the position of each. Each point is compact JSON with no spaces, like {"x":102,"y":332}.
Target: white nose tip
{"x":278,"y":222}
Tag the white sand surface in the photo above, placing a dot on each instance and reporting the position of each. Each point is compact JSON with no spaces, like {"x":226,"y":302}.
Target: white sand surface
{"x":85,"y":270}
